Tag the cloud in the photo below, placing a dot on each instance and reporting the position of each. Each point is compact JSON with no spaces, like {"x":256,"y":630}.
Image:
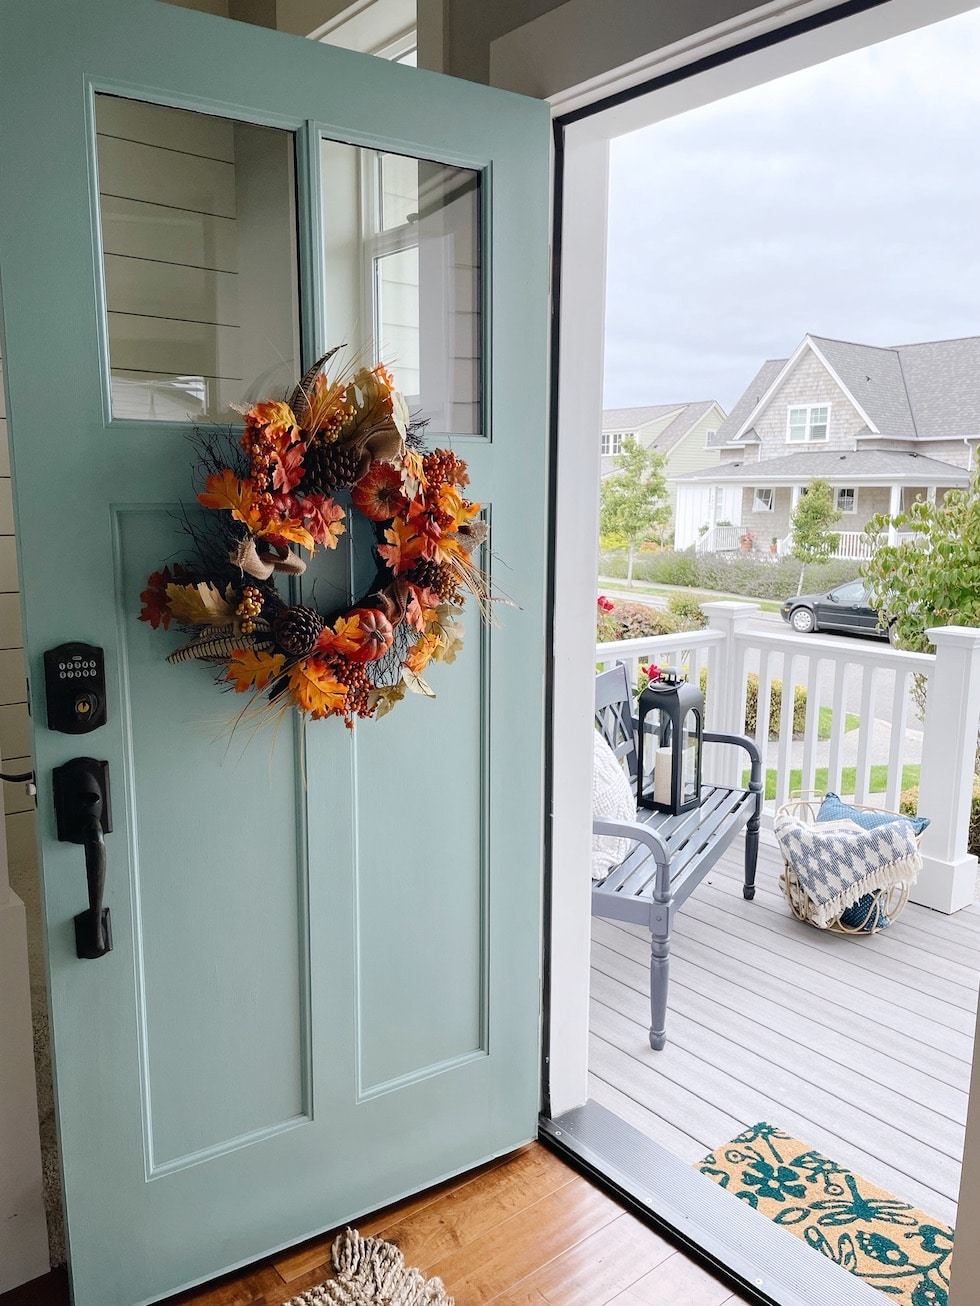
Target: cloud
{"x":841,"y":200}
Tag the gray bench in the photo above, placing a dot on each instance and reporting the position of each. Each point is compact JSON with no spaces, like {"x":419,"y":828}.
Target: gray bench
{"x":671,"y":855}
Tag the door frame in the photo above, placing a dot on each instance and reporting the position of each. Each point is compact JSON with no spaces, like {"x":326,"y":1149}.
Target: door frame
{"x":778,"y":43}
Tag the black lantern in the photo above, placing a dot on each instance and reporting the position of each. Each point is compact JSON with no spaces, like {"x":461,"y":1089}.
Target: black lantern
{"x":671,"y":720}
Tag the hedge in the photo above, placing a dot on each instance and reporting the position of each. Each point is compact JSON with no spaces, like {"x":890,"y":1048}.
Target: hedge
{"x":756,"y":576}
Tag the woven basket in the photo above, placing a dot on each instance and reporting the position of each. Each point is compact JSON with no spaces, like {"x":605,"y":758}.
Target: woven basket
{"x":885,"y":905}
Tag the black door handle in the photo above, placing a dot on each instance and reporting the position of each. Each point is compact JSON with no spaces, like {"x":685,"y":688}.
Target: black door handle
{"x":81,"y":800}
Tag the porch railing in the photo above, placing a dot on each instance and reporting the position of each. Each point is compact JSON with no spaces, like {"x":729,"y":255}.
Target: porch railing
{"x":853,"y":544}
{"x":719,"y":539}
{"x":861,"y":726}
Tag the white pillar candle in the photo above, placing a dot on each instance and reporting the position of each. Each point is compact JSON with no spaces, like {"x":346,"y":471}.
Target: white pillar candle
{"x":662,"y":773}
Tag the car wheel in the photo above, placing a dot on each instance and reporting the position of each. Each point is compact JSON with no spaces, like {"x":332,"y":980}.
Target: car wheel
{"x":893,"y":635}
{"x":802,"y":621}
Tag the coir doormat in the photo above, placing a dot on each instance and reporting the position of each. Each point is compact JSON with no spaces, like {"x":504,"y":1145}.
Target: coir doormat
{"x":372,"y":1272}
{"x":884,"y":1241}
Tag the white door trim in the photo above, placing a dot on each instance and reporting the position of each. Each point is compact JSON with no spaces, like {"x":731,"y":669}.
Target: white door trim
{"x":580,"y":345}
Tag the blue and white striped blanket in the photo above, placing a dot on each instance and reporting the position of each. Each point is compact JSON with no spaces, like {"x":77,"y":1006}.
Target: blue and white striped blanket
{"x":838,"y":862}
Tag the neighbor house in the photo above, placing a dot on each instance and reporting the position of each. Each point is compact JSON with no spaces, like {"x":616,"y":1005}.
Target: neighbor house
{"x":884,"y":425}
{"x":684,"y":433}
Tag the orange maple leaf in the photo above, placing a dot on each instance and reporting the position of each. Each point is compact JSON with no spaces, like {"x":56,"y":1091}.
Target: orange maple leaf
{"x":249,"y":669}
{"x":345,"y":638}
{"x":324,"y":519}
{"x":277,"y":417}
{"x":155,"y":600}
{"x":225,"y":490}
{"x":421,"y":653}
{"x":287,"y":467}
{"x":286,"y":532}
{"x":316,"y":689}
{"x":403,"y":547}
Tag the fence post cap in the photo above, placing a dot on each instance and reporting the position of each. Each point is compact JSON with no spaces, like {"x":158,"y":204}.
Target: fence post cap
{"x":967,"y":637}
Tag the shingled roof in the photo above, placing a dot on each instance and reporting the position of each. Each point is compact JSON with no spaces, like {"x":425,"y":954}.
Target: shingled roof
{"x":908,"y":392}
{"x":627,"y":419}
{"x":862,"y":466}
{"x":760,"y":383}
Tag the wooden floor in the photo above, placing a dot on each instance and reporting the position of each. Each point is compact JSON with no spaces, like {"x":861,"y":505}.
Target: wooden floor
{"x":860,"y":1046}
{"x":524,"y":1230}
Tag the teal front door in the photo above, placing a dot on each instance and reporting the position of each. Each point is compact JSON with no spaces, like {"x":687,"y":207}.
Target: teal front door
{"x":323,"y":990}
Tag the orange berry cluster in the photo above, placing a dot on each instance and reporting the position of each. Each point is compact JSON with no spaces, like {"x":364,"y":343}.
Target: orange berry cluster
{"x":442,"y":467}
{"x":260,"y":448}
{"x":359,"y":687}
{"x":249,"y":608}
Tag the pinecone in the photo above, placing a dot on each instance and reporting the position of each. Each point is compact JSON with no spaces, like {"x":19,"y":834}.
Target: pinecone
{"x":332,"y":466}
{"x":426,"y":574}
{"x":297,"y":629}
{"x":436,"y":576}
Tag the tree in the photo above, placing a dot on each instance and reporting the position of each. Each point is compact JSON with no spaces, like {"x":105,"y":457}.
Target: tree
{"x":633,"y":500}
{"x":932,"y":578}
{"x":811,"y":539}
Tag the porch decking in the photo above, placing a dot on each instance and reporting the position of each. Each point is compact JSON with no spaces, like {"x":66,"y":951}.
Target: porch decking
{"x":860,"y":1046}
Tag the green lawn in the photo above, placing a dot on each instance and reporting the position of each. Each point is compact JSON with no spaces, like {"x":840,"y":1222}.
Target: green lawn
{"x":826,"y":721}
{"x":879,"y":779}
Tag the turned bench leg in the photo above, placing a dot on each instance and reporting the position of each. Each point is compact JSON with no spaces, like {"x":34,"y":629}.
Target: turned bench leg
{"x":661,"y":917}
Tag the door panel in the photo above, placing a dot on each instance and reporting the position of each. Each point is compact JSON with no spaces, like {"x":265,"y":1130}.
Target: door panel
{"x":324,"y":986}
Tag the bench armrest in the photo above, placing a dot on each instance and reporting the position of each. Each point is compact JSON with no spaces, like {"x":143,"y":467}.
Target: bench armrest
{"x":640,"y":833}
{"x":750,"y":746}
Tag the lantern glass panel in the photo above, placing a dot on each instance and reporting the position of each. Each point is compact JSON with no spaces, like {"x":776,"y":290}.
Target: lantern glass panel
{"x":690,"y":749}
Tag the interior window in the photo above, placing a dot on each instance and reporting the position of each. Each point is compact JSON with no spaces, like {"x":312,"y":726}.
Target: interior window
{"x":199,"y":254}
{"x":402,"y":253}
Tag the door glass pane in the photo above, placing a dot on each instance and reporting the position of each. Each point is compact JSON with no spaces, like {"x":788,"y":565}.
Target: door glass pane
{"x":200,"y":258}
{"x":402,"y":252}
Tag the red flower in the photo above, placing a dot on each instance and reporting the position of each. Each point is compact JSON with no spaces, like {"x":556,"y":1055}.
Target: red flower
{"x":604,"y":604}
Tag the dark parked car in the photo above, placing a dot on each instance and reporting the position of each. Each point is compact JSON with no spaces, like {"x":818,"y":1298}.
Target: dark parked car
{"x":844,"y":609}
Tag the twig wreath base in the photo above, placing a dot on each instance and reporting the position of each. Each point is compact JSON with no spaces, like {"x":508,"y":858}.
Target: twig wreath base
{"x":338,"y":446}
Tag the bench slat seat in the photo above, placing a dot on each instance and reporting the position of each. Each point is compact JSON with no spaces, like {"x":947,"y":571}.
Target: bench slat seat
{"x":671,"y":854}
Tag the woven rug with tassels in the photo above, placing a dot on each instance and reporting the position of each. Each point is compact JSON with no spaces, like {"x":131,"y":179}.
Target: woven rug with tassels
{"x":371,"y":1272}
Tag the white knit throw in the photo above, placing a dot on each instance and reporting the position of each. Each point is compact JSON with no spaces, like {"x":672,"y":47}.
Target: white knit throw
{"x":838,"y":862}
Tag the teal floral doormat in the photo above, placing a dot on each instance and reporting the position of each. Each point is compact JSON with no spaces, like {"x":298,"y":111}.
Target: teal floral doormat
{"x":886,"y":1242}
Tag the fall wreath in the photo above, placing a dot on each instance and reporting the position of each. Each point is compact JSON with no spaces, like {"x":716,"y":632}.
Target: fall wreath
{"x":339,"y":445}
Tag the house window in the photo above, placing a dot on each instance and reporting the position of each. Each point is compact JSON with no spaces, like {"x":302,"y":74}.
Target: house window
{"x":808,"y":423}
{"x":612,"y":442}
{"x":763,"y":499}
{"x":847,"y":499}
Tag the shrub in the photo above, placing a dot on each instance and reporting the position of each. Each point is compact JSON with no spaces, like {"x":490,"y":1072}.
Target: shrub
{"x":614,"y":542}
{"x":687,"y":609}
{"x":754,"y":576}
{"x":637,"y":621}
{"x":775,"y":706}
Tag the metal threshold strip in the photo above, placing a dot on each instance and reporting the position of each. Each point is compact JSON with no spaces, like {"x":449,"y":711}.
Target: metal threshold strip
{"x":763,"y":1262}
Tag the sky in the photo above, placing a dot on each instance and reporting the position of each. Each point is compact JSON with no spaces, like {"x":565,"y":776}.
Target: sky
{"x":842,"y":201}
